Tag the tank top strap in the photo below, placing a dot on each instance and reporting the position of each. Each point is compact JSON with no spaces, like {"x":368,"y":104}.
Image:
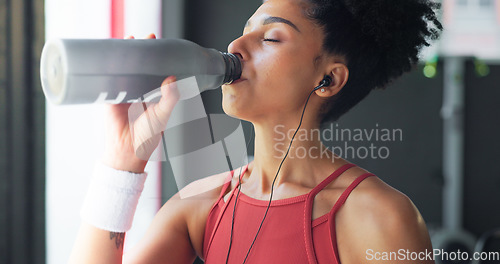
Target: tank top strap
{"x":311,"y":256}
{"x":227,"y":181}
{"x":218,"y":218}
{"x":330,"y":178}
{"x":348,"y":190}
{"x":338,"y":204}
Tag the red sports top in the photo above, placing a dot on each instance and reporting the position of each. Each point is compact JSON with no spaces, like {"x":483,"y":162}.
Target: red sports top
{"x":288,"y":235}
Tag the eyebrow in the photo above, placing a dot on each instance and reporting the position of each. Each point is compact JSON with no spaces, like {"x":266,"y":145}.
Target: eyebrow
{"x":273,"y":19}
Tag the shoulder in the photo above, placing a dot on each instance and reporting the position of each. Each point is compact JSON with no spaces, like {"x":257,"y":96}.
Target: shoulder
{"x":209,"y":187}
{"x":194,"y":201}
{"x":379,"y":218}
{"x":385,"y":207}
{"x":198,"y":194}
{"x":375,"y":200}
{"x":177,"y":230}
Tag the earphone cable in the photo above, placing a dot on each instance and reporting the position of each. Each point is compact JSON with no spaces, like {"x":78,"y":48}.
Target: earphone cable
{"x":275,"y":177}
{"x":236,"y":199}
{"x":325,"y":82}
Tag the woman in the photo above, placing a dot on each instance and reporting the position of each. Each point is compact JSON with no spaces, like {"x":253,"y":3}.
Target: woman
{"x":344,"y":48}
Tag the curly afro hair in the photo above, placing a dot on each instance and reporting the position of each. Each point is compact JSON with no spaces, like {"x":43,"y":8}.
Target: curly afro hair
{"x":380,"y":40}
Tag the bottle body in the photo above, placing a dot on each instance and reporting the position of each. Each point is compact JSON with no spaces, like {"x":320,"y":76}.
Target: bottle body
{"x":80,"y":71}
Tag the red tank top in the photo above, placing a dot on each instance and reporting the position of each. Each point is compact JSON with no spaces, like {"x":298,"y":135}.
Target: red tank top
{"x":288,"y":235}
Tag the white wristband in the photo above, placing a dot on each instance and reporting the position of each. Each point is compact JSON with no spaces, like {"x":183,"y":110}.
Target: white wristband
{"x":112,"y":198}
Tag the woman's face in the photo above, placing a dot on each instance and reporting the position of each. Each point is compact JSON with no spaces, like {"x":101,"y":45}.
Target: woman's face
{"x":282,"y":62}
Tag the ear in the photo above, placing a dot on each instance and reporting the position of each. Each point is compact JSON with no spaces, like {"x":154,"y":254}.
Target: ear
{"x":340,"y":74}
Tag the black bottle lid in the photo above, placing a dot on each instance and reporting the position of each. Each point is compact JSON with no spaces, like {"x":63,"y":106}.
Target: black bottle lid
{"x":233,"y":67}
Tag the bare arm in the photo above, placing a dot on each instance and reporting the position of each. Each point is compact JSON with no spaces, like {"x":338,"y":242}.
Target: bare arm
{"x":177,"y":232}
{"x":94,"y":245}
{"x":166,"y":241}
{"x":388,"y":229}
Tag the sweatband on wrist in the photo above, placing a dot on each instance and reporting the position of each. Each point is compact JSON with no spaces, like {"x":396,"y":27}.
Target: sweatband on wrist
{"x":112,"y":198}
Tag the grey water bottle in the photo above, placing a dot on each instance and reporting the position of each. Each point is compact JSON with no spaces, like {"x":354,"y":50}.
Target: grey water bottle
{"x":83,"y":71}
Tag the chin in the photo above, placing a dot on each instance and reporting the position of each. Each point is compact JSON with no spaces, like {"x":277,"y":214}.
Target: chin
{"x":234,"y":108}
{"x":229,"y":108}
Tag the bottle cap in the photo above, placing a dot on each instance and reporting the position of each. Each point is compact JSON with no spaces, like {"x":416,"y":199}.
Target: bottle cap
{"x":233,"y":67}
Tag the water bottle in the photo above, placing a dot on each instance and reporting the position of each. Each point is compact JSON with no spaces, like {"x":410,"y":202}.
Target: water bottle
{"x":83,"y":71}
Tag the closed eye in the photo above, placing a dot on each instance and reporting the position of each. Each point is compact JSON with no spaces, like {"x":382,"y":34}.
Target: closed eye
{"x":272,"y":40}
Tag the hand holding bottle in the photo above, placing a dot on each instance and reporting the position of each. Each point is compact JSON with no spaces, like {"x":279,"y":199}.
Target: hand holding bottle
{"x":130,"y":143}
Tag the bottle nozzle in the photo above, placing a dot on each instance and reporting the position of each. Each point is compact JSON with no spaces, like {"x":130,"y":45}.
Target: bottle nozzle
{"x":233,"y":67}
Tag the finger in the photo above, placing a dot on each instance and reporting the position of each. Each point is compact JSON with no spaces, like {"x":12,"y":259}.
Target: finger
{"x":151,"y":36}
{"x":130,"y":37}
{"x":149,"y":125}
{"x":169,"y":94}
{"x":168,"y":80}
{"x":158,"y":114}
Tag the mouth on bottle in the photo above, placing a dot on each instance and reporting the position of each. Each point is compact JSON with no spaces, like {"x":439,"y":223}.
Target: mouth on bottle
{"x":233,"y":67}
{"x":238,"y":81}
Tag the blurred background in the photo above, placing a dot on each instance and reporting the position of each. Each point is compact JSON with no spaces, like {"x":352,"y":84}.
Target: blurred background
{"x":448,"y":109}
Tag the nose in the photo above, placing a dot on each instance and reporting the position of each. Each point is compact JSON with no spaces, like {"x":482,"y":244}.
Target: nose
{"x":239,"y":48}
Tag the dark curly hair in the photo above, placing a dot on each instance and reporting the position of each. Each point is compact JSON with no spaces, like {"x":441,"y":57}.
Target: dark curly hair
{"x":380,"y":40}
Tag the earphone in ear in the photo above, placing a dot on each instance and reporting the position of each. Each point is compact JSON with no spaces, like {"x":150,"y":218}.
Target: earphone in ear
{"x":327,"y":81}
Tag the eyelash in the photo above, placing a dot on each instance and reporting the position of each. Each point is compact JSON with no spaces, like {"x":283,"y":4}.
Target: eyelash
{"x":272,"y":40}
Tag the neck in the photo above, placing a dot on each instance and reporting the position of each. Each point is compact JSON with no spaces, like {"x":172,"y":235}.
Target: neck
{"x":304,"y":157}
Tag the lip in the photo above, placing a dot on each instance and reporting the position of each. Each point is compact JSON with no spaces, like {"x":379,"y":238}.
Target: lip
{"x":238,"y":81}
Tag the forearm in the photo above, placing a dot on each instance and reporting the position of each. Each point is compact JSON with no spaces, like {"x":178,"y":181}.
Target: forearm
{"x":107,"y":213}
{"x":94,"y":245}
